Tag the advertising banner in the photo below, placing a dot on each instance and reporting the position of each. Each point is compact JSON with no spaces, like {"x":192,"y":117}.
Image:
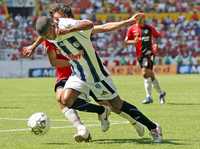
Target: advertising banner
{"x":136,"y":70}
{"x":41,"y":72}
{"x":20,"y":3}
{"x":189,"y":69}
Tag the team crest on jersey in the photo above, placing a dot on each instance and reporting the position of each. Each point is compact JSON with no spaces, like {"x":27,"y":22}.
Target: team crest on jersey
{"x":146,"y":31}
{"x":104,"y":93}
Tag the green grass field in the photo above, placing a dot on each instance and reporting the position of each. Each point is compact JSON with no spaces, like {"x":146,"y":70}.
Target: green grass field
{"x":179,"y":117}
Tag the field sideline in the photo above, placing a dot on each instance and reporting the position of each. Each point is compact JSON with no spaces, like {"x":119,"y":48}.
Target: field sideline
{"x":179,"y":118}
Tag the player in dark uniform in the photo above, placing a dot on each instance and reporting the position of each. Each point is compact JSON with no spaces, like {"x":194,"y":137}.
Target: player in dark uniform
{"x":142,"y":36}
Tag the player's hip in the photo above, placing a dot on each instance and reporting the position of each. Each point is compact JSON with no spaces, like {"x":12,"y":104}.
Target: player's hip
{"x":102,"y":90}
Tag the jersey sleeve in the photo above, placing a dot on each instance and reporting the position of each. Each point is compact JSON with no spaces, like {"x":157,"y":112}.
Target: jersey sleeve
{"x":155,"y":33}
{"x":66,"y":23}
{"x":87,"y":33}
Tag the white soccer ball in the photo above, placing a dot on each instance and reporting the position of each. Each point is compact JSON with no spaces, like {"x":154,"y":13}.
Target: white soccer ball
{"x":39,"y":123}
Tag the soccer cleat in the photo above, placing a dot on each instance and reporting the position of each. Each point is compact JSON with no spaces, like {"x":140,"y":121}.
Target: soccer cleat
{"x":105,"y":124}
{"x":82,"y":135}
{"x":147,"y":100}
{"x":139,"y":128}
{"x":162,"y":97}
{"x":157,"y":134}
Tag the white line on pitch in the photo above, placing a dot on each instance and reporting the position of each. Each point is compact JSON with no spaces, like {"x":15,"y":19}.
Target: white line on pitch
{"x":13,"y":119}
{"x":52,"y":120}
{"x":23,"y":119}
{"x":61,"y":127}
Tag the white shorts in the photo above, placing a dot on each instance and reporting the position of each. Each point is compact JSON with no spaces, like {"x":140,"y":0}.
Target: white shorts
{"x":103,"y":90}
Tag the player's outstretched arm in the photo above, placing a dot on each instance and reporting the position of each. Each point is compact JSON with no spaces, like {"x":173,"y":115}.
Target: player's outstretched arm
{"x":56,"y":62}
{"x":115,"y":25}
{"x":29,"y":50}
{"x":78,"y":26}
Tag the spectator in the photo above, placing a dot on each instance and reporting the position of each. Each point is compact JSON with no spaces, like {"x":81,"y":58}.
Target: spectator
{"x":178,"y":35}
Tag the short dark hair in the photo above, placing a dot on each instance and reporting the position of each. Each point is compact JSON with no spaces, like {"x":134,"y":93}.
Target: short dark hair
{"x":42,"y":24}
{"x":60,"y":7}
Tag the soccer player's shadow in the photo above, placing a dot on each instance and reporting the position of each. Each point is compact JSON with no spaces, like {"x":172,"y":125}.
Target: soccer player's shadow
{"x":10,"y":107}
{"x":138,"y":141}
{"x":182,"y":104}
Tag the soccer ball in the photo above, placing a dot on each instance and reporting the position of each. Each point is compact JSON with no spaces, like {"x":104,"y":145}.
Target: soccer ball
{"x":39,"y":123}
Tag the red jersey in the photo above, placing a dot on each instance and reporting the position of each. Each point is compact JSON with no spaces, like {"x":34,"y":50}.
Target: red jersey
{"x":145,"y":33}
{"x":61,"y":72}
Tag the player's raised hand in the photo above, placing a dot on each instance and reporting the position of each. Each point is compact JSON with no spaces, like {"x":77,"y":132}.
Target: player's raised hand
{"x":28,"y":51}
{"x":135,"y":17}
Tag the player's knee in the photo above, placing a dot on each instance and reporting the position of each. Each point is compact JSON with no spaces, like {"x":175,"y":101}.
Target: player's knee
{"x":59,"y":95}
{"x":63,"y":98}
{"x":58,"y":99}
{"x":68,"y":98}
{"x":144,"y":73}
{"x":147,"y":73}
{"x":116,"y":104}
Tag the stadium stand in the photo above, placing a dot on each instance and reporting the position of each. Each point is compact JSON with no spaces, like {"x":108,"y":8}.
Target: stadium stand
{"x":179,"y":45}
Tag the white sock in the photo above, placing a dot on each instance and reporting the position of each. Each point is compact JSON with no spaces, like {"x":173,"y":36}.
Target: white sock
{"x":148,"y":86}
{"x":156,"y":85}
{"x":128,"y":117}
{"x":72,"y":116}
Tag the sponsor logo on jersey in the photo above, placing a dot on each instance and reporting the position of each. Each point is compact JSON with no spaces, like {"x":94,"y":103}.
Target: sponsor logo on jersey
{"x":145,"y":38}
{"x":104,"y":93}
{"x":146,"y":31}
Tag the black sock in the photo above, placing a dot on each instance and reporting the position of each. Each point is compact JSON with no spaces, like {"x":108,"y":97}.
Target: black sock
{"x":82,"y":105}
{"x":137,"y":115}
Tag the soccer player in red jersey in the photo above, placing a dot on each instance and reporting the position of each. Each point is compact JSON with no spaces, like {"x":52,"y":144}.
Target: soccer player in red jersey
{"x":142,"y":36}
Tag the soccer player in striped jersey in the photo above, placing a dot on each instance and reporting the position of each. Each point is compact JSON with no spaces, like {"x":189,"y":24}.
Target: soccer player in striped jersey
{"x":63,"y":71}
{"x":142,"y":36}
{"x":89,"y":74}
{"x":58,"y":63}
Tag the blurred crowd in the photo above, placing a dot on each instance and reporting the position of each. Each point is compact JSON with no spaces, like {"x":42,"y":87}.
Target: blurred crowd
{"x":16,"y":33}
{"x":179,"y":43}
{"x":130,"y":6}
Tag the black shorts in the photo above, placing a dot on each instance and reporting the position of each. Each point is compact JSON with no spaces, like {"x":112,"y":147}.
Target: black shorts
{"x":60,"y":84}
{"x":146,"y":61}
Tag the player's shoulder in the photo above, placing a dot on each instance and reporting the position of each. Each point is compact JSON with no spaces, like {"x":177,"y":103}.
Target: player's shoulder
{"x":46,"y":42}
{"x":132,"y":27}
{"x":149,"y":26}
{"x":66,"y":22}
